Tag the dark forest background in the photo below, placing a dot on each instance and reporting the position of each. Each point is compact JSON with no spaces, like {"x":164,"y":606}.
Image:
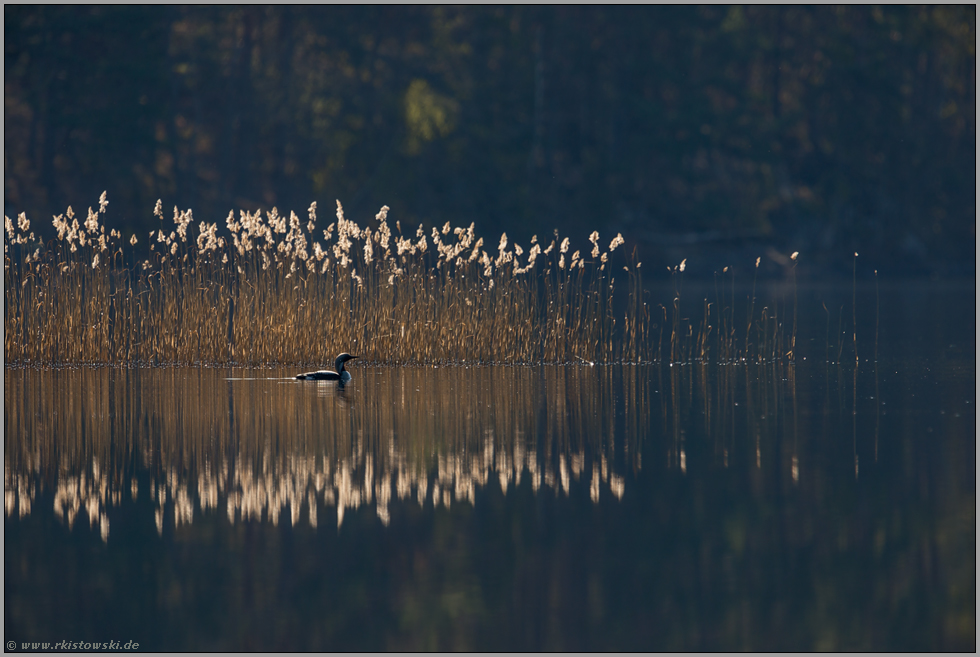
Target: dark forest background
{"x":712,"y":132}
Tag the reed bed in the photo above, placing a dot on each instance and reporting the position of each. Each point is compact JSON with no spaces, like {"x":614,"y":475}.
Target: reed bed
{"x":271,"y":289}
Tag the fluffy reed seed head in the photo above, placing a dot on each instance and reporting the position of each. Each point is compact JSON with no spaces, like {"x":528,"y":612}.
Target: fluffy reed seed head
{"x":384,"y":231}
{"x":183,"y":220}
{"x":594,"y":238}
{"x":368,"y":248}
{"x":92,"y":222}
{"x":59,"y":223}
{"x":311,"y":211}
{"x":533,"y":254}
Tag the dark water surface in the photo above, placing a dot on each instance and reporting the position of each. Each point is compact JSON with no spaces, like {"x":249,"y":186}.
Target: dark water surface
{"x":694,"y":507}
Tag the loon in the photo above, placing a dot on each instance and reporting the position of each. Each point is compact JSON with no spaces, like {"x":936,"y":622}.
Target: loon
{"x":341,"y":374}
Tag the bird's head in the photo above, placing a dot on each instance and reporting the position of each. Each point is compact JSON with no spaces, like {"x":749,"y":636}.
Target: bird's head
{"x":343,"y":358}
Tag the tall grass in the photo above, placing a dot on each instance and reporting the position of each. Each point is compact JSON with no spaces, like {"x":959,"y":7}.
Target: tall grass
{"x":275,"y":289}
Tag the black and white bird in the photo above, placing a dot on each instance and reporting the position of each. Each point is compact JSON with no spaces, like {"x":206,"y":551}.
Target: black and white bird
{"x":341,"y":374}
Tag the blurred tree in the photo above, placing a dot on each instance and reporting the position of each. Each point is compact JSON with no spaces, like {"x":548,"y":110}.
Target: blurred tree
{"x":826,"y":129}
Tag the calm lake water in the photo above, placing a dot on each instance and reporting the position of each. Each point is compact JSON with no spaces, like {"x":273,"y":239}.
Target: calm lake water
{"x":823,"y":505}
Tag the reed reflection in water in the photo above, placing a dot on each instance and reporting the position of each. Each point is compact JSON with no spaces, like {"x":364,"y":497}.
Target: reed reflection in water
{"x":610,"y":507}
{"x":258,"y":446}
